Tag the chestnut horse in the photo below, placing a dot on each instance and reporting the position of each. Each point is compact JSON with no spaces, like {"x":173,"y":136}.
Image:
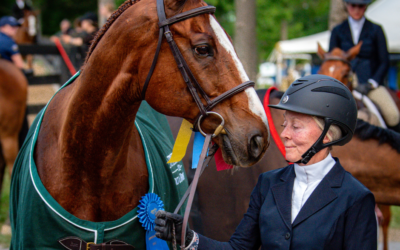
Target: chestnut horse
{"x":13,"y":95}
{"x":89,"y":125}
{"x":336,"y":64}
{"x":26,"y":34}
{"x":220,"y":207}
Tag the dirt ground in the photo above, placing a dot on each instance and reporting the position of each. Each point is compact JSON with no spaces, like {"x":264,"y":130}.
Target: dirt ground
{"x":40,"y":94}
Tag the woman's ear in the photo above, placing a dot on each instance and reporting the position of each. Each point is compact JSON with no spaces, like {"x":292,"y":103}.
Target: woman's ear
{"x":326,"y":139}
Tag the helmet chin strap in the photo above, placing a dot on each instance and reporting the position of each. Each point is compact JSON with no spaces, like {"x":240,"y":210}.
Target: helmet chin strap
{"x":318,"y":145}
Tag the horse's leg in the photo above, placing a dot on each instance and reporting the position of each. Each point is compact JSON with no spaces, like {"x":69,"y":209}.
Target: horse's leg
{"x":3,"y":166}
{"x":29,"y":61}
{"x":10,"y":150}
{"x":385,"y":209}
{"x":6,"y":228}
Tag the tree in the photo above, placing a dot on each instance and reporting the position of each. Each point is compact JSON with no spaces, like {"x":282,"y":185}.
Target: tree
{"x":337,"y":13}
{"x":246,"y":43}
{"x":52,"y":12}
{"x":101,"y":4}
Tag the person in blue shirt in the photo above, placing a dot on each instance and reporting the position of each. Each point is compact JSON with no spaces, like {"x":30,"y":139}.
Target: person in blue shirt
{"x":311,"y":204}
{"x":8,"y":48}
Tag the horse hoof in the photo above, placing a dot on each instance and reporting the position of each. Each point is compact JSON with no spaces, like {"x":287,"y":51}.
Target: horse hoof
{"x":5,"y":230}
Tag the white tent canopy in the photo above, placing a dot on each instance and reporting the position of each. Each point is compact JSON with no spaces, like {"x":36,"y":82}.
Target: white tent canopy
{"x":382,"y":12}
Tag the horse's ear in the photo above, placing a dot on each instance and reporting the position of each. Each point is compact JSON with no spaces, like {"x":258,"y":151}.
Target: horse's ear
{"x":353,"y":52}
{"x":172,"y":7}
{"x":321,"y":52}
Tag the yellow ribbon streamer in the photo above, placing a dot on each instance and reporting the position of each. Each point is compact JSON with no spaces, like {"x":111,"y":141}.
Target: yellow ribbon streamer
{"x":181,"y":142}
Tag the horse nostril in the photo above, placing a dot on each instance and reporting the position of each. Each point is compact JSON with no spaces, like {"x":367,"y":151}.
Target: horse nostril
{"x":256,"y":146}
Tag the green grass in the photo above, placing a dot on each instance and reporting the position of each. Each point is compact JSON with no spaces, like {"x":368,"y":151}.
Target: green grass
{"x":395,"y":221}
{"x":4,"y":203}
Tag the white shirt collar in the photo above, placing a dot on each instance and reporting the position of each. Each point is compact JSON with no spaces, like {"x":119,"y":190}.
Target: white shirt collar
{"x":356,"y":27}
{"x":314,"y":172}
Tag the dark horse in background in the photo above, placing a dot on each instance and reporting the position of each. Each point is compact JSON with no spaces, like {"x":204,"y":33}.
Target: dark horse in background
{"x":336,"y":64}
{"x":89,"y":126}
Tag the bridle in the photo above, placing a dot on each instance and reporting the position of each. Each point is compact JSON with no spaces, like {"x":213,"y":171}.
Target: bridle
{"x":193,"y":87}
{"x":187,"y":74}
{"x":337,"y":58}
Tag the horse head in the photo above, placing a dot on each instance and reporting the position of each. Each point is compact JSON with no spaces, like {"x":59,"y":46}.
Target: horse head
{"x":336,"y":63}
{"x":210,"y":56}
{"x":28,"y":30}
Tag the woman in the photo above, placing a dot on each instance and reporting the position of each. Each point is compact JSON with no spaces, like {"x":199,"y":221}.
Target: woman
{"x":372,"y":63}
{"x":313,"y":203}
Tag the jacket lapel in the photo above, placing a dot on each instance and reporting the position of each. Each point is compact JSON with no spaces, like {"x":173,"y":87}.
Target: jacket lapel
{"x":323,"y":193}
{"x":364,"y":30}
{"x":282,"y":193}
{"x":347,"y":31}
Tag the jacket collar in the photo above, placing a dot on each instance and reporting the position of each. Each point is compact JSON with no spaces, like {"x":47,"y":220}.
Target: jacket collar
{"x":322,"y":195}
{"x":282,"y":193}
{"x":363,"y":33}
{"x":365,"y":29}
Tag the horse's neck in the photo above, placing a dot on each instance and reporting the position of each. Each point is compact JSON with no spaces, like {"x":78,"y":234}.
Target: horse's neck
{"x":95,"y":138}
{"x":375,"y":165}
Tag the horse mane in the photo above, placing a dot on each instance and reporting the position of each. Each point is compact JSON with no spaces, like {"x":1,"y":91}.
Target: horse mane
{"x":107,"y":25}
{"x":366,"y":131}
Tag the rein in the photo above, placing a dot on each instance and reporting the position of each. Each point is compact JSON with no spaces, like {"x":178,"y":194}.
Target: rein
{"x":336,"y":58}
{"x":271,"y":124}
{"x":351,"y":73}
{"x":193,"y":86}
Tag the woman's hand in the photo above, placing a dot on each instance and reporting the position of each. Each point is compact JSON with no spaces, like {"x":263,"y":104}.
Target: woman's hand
{"x":163,"y":228}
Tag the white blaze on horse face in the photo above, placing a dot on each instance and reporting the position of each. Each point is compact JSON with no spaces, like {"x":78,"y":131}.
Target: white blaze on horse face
{"x":331,"y":69}
{"x":32,"y":25}
{"x":254,"y":102}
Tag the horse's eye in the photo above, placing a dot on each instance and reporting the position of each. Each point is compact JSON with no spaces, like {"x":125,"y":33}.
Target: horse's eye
{"x":202,"y":50}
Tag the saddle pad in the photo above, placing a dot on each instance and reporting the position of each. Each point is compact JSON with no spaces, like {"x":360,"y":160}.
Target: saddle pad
{"x":38,"y":221}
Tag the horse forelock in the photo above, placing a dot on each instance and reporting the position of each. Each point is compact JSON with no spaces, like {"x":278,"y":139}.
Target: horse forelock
{"x":337,"y":52}
{"x":107,"y":25}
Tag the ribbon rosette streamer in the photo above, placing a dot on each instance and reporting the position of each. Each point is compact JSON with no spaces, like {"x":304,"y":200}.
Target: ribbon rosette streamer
{"x":147,"y":209}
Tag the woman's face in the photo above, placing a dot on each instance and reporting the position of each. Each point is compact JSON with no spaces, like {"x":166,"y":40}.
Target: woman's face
{"x":356,"y":11}
{"x":299,"y":134}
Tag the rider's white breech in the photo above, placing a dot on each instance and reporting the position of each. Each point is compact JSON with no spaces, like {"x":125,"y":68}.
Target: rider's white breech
{"x":382,"y":98}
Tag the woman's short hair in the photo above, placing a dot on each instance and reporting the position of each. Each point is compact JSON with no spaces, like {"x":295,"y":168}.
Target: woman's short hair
{"x":334,"y":132}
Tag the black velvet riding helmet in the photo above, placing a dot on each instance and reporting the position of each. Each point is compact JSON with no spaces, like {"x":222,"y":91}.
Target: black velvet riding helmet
{"x":325,"y":97}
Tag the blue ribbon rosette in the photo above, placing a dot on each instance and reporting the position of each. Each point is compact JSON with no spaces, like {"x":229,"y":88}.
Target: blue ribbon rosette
{"x":147,"y":209}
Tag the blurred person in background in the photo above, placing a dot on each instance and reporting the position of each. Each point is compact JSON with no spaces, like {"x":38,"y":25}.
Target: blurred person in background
{"x":8,"y":47}
{"x":105,"y":12}
{"x":371,"y":65}
{"x":89,"y":27}
{"x":65,"y":29}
